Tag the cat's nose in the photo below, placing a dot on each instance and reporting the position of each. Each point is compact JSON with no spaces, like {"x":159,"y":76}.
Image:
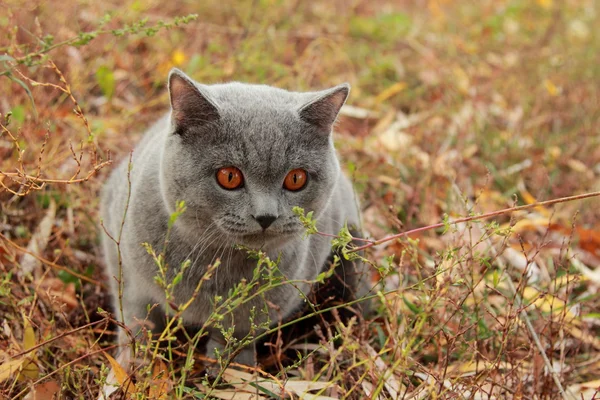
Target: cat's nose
{"x":265,"y":220}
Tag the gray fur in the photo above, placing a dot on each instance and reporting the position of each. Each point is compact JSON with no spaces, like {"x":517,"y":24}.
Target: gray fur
{"x":263,"y":131}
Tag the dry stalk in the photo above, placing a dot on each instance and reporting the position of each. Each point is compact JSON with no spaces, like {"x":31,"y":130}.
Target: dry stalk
{"x":516,"y":294}
{"x":28,"y":183}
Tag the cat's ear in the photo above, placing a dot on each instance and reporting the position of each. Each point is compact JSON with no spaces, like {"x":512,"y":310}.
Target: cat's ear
{"x":190,"y":105}
{"x":322,"y":110}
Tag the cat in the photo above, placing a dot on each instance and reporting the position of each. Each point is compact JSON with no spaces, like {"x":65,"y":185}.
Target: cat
{"x":240,"y":156}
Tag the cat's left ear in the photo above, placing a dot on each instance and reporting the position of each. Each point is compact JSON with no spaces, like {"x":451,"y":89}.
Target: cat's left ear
{"x":191,"y":105}
{"x":322,"y":110}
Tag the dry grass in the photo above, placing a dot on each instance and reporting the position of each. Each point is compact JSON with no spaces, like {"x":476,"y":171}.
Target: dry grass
{"x":457,"y":109}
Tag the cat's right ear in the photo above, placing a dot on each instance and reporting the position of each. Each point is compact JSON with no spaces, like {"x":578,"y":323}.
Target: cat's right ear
{"x":190,"y":106}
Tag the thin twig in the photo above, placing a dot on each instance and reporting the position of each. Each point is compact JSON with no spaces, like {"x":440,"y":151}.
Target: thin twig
{"x":37,"y":346}
{"x":64,"y":181}
{"x":478,"y":217}
{"x":50,"y":263}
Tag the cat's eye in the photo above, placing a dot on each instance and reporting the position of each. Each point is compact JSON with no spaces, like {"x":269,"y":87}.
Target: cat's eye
{"x":295,"y":180}
{"x":230,"y":178}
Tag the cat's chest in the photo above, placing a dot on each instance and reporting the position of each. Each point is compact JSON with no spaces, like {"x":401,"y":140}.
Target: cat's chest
{"x":217,"y":268}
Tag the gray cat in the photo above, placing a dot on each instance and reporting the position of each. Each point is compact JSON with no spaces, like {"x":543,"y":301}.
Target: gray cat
{"x":241,"y":157}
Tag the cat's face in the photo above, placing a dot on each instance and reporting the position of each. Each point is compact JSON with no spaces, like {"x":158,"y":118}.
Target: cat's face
{"x":242,"y":156}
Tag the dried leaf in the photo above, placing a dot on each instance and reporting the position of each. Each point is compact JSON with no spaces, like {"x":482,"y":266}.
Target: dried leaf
{"x":30,"y":368}
{"x":551,"y":305}
{"x":584,"y":336}
{"x":547,"y":4}
{"x":121,"y":375}
{"x":44,"y":391}
{"x":518,"y":260}
{"x":551,"y":88}
{"x":8,"y":368}
{"x":160,"y":382}
{"x":235,"y":395}
{"x":593,"y":276}
{"x":369,"y":389}
{"x":60,"y":295}
{"x":586,"y":390}
{"x":529,"y":199}
{"x":580,"y":167}
{"x":39,"y":241}
{"x":357,"y":112}
{"x":241,"y":381}
{"x":309,"y":396}
{"x":390,"y":92}
{"x":393,"y":385}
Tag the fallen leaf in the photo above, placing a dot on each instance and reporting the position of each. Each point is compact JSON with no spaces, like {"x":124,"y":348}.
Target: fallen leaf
{"x":8,"y":368}
{"x":529,"y":199}
{"x":235,"y":395}
{"x":551,"y":88}
{"x":586,"y":390}
{"x":357,"y":112}
{"x":547,"y":4}
{"x":393,"y":385}
{"x":30,"y":368}
{"x":58,"y":294}
{"x":160,"y":382}
{"x":38,"y":242}
{"x":44,"y":391}
{"x":390,"y":92}
{"x":121,"y":375}
{"x":579,"y":166}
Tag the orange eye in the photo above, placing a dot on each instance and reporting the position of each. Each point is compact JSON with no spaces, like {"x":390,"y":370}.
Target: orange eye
{"x":230,"y":178}
{"x":295,"y":180}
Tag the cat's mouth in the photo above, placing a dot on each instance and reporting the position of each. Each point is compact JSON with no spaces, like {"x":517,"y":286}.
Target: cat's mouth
{"x":260,"y":239}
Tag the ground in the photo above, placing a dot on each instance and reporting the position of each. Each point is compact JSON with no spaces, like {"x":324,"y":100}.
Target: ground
{"x":457,"y":109}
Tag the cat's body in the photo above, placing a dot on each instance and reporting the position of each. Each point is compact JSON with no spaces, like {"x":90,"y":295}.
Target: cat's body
{"x":264,"y":133}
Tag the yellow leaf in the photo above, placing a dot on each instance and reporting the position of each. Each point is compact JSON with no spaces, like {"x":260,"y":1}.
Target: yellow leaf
{"x":529,"y":199}
{"x":584,"y":336}
{"x":551,"y":88}
{"x":9,"y":368}
{"x":121,"y":375}
{"x":30,"y":368}
{"x":461,"y":79}
{"x":578,"y":166}
{"x":527,"y":224}
{"x":28,"y":335}
{"x":472,"y":366}
{"x":547,"y":4}
{"x":389,"y":92}
{"x":551,"y":305}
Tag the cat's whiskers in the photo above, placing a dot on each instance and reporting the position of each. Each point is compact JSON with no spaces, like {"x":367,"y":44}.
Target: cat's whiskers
{"x":220,"y":258}
{"x":200,"y":237}
{"x":207,"y":242}
{"x":201,"y":241}
{"x":301,"y":238}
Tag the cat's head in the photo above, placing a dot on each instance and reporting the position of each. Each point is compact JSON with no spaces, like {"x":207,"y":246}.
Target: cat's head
{"x":242,"y":156}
